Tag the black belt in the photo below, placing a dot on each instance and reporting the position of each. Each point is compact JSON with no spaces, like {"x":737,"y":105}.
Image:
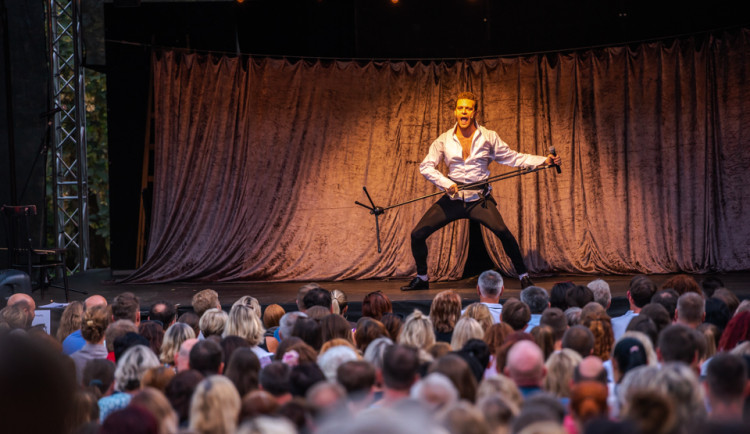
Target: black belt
{"x":483,"y":193}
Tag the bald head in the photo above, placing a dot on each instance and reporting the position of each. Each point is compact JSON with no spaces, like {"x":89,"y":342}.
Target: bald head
{"x":525,"y":364}
{"x":591,"y":368}
{"x":25,"y":302}
{"x":94,"y":300}
{"x":182,"y":357}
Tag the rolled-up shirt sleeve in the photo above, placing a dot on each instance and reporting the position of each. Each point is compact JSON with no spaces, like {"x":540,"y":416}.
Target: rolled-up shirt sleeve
{"x":428,"y":167}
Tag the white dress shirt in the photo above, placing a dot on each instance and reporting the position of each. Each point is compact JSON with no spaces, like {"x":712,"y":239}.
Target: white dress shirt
{"x":486,"y":147}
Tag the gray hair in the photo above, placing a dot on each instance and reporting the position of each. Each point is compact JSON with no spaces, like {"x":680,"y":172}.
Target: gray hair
{"x":436,"y":391}
{"x":490,"y":283}
{"x":374,"y":351}
{"x":286,"y":323}
{"x":132,"y":365}
{"x":602,"y":293}
{"x":536,"y":298}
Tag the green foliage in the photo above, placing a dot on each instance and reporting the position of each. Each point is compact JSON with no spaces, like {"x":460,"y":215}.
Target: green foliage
{"x":98,"y":167}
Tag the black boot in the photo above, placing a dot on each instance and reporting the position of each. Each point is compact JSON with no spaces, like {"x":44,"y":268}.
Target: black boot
{"x":526,"y":282}
{"x":415,"y":284}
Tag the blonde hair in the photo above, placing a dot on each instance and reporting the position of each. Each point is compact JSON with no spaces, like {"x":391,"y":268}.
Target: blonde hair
{"x":417,"y":331}
{"x":175,"y":335}
{"x":481,"y":313}
{"x":215,"y":406}
{"x":465,"y":330}
{"x":500,"y":385}
{"x":213,"y":322}
{"x":339,"y":302}
{"x":560,"y":368}
{"x":205,"y":300}
{"x":70,"y":320}
{"x":155,"y":402}
{"x":245,"y":323}
{"x":251,"y":302}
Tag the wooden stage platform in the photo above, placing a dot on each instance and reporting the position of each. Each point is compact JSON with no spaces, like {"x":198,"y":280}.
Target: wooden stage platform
{"x":104,"y":282}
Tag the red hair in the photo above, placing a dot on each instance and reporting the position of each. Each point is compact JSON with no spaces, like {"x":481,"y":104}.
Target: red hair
{"x":736,"y":331}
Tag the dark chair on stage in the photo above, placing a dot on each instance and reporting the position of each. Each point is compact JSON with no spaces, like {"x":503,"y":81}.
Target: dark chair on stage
{"x":23,"y":255}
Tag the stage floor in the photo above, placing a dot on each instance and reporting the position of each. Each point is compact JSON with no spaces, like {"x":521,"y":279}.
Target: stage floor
{"x":104,"y":282}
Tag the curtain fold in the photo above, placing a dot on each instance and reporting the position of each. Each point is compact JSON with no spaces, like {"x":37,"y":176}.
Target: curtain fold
{"x":259,"y":161}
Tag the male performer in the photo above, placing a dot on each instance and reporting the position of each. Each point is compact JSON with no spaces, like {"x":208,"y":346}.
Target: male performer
{"x":468,"y":149}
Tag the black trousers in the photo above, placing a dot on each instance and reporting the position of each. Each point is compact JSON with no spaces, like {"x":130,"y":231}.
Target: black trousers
{"x":446,"y":210}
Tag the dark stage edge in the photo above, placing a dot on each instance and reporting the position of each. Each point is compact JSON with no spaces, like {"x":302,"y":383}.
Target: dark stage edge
{"x":103,"y":282}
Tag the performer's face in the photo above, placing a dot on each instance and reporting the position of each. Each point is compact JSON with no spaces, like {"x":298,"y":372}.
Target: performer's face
{"x":465,"y":112}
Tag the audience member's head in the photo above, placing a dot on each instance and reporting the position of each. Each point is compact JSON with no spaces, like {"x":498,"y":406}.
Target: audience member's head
{"x":726,"y":381}
{"x":309,"y":331}
{"x":588,"y":401}
{"x":205,"y":300}
{"x":555,"y":319}
{"x":558,"y":293}
{"x":628,"y":353}
{"x":495,"y":336}
{"x":417,"y":331}
{"x":490,"y":286}
{"x":578,"y":296}
{"x":154,"y":333}
{"x":400,"y":367}
{"x":207,"y":357}
{"x":601,"y":291}
{"x":70,"y":320}
{"x":544,"y":336}
{"x":212,"y":322}
{"x":641,"y":290}
{"x":579,"y":339}
{"x":445,"y":311}
{"x":737,"y":330}
{"x":272,"y":315}
{"x":717,"y":313}
{"x":658,"y":313}
{"x":376,"y":304}
{"x":243,"y":321}
{"x":94,"y":324}
{"x":158,"y":405}
{"x":357,"y":377}
{"x":678,"y":343}
{"x":368,"y":330}
{"x":303,"y":377}
{"x":164,"y":312}
{"x":98,"y":376}
{"x":516,"y":314}
{"x":560,"y":368}
{"x":175,"y":335}
{"x":729,"y":298}
{"x":180,"y":390}
{"x":691,"y":309}
{"x":274,"y":379}
{"x":191,"y":319}
{"x":536,"y":298}
{"x":317,"y":297}
{"x":339,"y":302}
{"x":525,"y":364}
{"x":481,"y":313}
{"x":127,"y":306}
{"x":466,"y":329}
{"x":573,"y":315}
{"x":130,"y":419}
{"x":457,"y":369}
{"x":243,"y":370}
{"x":667,"y":298}
{"x":682,"y":283}
{"x":286,"y":323}
{"x":132,"y":366}
{"x":126,"y":341}
{"x":215,"y":406}
{"x":591,"y":368}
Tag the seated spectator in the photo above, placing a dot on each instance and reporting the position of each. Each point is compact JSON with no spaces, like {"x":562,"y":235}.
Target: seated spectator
{"x":668,"y":298}
{"x":130,"y":419}
{"x":537,"y":299}
{"x":70,"y":321}
{"x":158,"y":405}
{"x":436,"y":392}
{"x":175,"y":335}
{"x":244,"y":321}
{"x":330,"y":360}
{"x":650,"y":411}
{"x":525,"y":366}
{"x":500,"y":385}
{"x":212,"y":322}
{"x":164,"y":312}
{"x":180,"y":390}
{"x":204,"y":300}
{"x":544,"y":337}
{"x":710,"y":284}
{"x":95,"y":322}
{"x":207,"y":357}
{"x":466,"y":328}
{"x":601,"y":291}
{"x":556,"y":320}
{"x":679,"y":343}
{"x":339,"y":302}
{"x":127,"y":306}
{"x":516,"y":314}
{"x":628,"y":353}
{"x":457,"y":369}
{"x":368,"y":330}
{"x":274,"y":379}
{"x":215,"y":406}
{"x":557,"y":295}
{"x":600,"y":324}
{"x":658,"y":314}
{"x":131,"y":367}
{"x":725,"y":385}
{"x":641,"y":290}
{"x":588,"y":401}
{"x":573,"y":315}
{"x":729,"y":298}
{"x":393,"y":324}
{"x":192,"y":320}
{"x":399,"y":373}
{"x":445,"y":311}
{"x":463,"y":417}
{"x":158,"y":377}
{"x":336,"y":326}
{"x":376,"y":304}
{"x":98,"y":377}
{"x":578,"y":296}
{"x":691,"y":310}
{"x":717,"y":313}
{"x":74,"y":342}
{"x":481,"y":313}
{"x":154,"y":334}
{"x":358,"y":379}
{"x":489,"y":289}
{"x":304,"y":376}
{"x":257,"y":403}
{"x":560,"y":368}
{"x":318,"y":297}
{"x":682,"y":283}
{"x":579,"y":339}
{"x":309,"y":331}
{"x":243,"y":370}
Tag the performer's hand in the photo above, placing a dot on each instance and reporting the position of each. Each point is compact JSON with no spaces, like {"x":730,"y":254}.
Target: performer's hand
{"x":553,"y":160}
{"x":452,"y":190}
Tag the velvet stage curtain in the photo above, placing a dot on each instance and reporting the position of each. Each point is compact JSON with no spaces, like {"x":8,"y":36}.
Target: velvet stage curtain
{"x":259,"y":161}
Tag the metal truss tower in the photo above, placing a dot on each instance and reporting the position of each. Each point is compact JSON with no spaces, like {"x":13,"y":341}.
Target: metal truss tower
{"x":68,"y":139}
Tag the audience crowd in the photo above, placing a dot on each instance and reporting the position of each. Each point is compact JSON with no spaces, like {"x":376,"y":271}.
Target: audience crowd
{"x":676,"y":362}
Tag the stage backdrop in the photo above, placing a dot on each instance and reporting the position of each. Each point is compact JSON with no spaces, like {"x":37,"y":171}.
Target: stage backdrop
{"x":259,"y":162}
